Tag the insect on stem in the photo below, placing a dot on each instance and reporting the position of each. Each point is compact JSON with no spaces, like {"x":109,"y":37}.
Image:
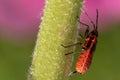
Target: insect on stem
{"x":88,"y":47}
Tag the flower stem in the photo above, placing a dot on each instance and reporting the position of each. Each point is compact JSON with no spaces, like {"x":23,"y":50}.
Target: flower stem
{"x":59,"y":26}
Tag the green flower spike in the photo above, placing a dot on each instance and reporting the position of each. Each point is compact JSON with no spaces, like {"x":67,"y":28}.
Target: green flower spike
{"x":59,"y":26}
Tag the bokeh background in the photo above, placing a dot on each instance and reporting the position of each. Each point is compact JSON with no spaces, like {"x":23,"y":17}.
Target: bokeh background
{"x":19,"y":21}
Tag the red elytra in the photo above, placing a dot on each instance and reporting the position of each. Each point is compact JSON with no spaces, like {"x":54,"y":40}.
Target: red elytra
{"x":88,"y":47}
{"x":83,"y":62}
{"x":85,"y":58}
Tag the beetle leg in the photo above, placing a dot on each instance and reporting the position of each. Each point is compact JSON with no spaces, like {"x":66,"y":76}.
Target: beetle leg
{"x":78,"y":43}
{"x":70,"y":74}
{"x":69,"y":53}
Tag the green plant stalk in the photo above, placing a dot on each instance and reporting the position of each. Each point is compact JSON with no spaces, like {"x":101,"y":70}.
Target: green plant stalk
{"x":59,"y":26}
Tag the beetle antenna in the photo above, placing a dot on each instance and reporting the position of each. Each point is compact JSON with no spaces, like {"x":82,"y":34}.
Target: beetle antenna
{"x":96,"y":19}
{"x":90,"y":19}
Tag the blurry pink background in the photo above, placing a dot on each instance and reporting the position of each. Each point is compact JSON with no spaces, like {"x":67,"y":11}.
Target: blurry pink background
{"x":109,"y":12}
{"x":19,"y":20}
